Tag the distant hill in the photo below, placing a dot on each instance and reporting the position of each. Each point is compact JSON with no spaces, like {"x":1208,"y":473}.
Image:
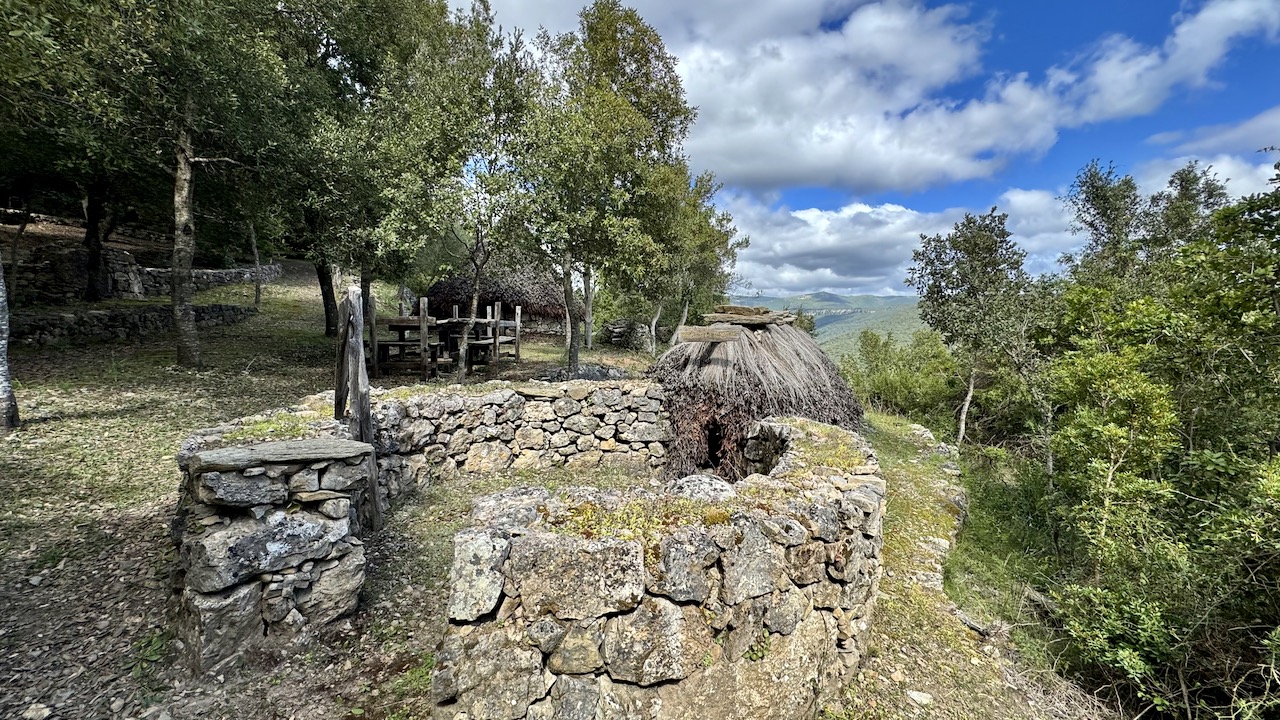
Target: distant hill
{"x":840,"y":318}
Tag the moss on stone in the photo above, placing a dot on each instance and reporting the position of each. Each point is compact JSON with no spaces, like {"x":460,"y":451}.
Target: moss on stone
{"x":280,"y":426}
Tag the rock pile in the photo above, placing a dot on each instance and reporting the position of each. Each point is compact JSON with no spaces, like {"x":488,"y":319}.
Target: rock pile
{"x":713,"y":599}
{"x":626,"y":333}
{"x":269,"y":542}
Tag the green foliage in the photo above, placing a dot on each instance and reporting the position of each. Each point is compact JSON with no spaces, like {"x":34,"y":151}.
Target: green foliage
{"x":1136,"y":401}
{"x":919,"y":379}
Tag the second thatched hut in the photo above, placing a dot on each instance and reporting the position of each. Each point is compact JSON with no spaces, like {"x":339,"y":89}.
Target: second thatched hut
{"x":539,"y":293}
{"x":748,"y":365}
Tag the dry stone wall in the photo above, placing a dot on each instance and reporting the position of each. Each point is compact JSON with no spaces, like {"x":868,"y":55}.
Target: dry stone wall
{"x":714,"y":599}
{"x":269,"y":534}
{"x":269,"y":542}
{"x":526,"y":426}
{"x":115,"y":323}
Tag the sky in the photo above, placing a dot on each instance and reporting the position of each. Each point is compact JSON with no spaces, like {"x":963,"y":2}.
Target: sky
{"x":843,"y":129}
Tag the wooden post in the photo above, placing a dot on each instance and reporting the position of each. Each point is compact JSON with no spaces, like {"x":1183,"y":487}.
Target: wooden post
{"x":497,"y":330}
{"x":351,"y":396}
{"x":424,"y":337}
{"x":373,"y":335}
{"x":455,"y":312}
{"x":517,"y":333}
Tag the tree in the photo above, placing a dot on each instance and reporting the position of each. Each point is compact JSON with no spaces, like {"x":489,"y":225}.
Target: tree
{"x":484,"y":209}
{"x":969,"y":283}
{"x":612,"y":108}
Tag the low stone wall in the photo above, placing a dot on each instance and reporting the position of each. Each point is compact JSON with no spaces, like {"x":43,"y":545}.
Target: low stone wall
{"x":116,"y":323}
{"x":744,"y":600}
{"x":57,"y":274}
{"x":522,"y":426}
{"x":155,"y":281}
{"x":269,"y":542}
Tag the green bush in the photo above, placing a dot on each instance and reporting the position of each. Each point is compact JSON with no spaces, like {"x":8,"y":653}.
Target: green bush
{"x":918,"y":379}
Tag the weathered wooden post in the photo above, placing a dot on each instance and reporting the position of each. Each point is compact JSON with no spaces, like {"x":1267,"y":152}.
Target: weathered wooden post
{"x":351,"y":400}
{"x":424,"y":338}
{"x":517,"y":333}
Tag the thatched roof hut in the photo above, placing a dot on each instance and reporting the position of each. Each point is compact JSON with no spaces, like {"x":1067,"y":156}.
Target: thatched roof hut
{"x":717,"y":390}
{"x":539,"y":292}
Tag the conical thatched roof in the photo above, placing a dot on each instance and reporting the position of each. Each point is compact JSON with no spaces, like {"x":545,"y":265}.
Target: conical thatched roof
{"x":717,"y":390}
{"x":538,"y":292}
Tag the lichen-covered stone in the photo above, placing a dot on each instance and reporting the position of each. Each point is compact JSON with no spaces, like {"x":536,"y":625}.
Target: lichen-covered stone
{"x":335,"y":591}
{"x":703,"y":488}
{"x":681,"y":571}
{"x":341,"y":476}
{"x":488,"y":673}
{"x":579,"y":650}
{"x":219,"y":625}
{"x":487,"y":457}
{"x":238,"y":490}
{"x":475,"y":577}
{"x":754,"y":567}
{"x":574,"y":578}
{"x":226,"y":556}
{"x":657,"y":642}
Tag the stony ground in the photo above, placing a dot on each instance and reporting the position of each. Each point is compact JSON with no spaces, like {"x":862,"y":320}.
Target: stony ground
{"x":84,"y":551}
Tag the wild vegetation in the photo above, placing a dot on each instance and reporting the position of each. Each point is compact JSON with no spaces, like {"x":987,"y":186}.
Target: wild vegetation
{"x":1123,"y":418}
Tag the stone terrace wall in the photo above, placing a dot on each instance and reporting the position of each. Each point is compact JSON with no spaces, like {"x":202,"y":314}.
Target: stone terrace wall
{"x":116,"y":323}
{"x":56,"y":275}
{"x":269,"y":542}
{"x":155,"y":281}
{"x":750,"y":600}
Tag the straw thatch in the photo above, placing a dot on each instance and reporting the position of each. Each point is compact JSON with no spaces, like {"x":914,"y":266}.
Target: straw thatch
{"x":717,"y":390}
{"x":540,"y":293}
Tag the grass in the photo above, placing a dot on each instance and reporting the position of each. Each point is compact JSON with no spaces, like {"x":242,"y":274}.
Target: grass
{"x":918,"y":644}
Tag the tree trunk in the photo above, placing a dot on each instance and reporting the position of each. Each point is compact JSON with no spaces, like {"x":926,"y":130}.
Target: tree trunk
{"x":964,"y":407}
{"x":575,"y":341}
{"x":8,"y":403}
{"x":684,"y":315}
{"x":95,"y":212}
{"x":257,"y":267}
{"x":13,"y":255}
{"x":468,"y":327}
{"x":184,"y":246}
{"x":588,"y":299}
{"x":653,"y":332}
{"x":324,"y":273}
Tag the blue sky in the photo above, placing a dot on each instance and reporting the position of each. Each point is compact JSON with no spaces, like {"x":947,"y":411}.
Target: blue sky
{"x":842,"y":129}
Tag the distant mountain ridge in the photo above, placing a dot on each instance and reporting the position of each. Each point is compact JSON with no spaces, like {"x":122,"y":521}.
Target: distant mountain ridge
{"x":841,"y":318}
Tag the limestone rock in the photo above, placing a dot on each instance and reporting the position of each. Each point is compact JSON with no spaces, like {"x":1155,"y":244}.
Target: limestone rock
{"x":579,"y":650}
{"x":704,"y":488}
{"x":237,"y":490}
{"x":659,"y":641}
{"x":783,"y":615}
{"x":571,"y":698}
{"x":528,"y":438}
{"x":755,"y":567}
{"x":788,"y":683}
{"x":515,"y":507}
{"x":574,"y":578}
{"x":276,"y":453}
{"x":681,"y":572}
{"x":646,"y":433}
{"x":341,"y":476}
{"x":226,"y":556}
{"x":487,"y":457}
{"x":582,"y":424}
{"x":216,"y":626}
{"x":334,"y":592}
{"x":488,"y":673}
{"x":475,"y":578}
{"x":565,"y":407}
